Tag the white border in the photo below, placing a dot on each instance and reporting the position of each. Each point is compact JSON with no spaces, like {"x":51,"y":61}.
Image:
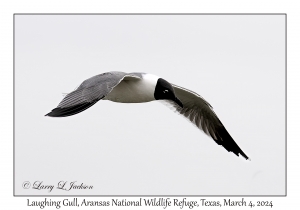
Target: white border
{"x":134,"y":6}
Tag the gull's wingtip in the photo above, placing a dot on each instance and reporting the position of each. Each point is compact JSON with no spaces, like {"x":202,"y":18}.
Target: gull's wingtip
{"x":244,"y":155}
{"x":246,"y":158}
{"x":57,"y":112}
{"x":48,"y":114}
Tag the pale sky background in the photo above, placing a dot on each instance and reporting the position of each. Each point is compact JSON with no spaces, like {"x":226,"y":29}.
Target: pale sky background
{"x":237,"y":63}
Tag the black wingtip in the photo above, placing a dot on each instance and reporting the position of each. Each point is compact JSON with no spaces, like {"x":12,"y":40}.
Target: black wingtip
{"x":241,"y":153}
{"x":244,"y":155}
{"x":49,"y":114}
{"x":224,"y":139}
{"x":234,"y":148}
{"x":237,"y":150}
{"x":53,"y":113}
{"x":69,"y":111}
{"x":57,"y":112}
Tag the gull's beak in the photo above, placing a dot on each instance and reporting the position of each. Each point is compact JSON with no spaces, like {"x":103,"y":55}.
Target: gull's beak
{"x":177,"y":101}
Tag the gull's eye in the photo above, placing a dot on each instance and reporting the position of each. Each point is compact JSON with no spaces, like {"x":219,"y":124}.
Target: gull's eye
{"x":165,"y":91}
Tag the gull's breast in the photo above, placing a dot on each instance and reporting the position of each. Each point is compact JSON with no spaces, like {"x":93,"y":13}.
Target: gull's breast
{"x":132,"y":91}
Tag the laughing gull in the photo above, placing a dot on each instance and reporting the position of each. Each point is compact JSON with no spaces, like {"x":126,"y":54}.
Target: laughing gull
{"x":139,"y":88}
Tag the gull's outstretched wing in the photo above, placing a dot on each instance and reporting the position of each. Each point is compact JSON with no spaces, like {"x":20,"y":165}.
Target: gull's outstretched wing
{"x":200,"y":112}
{"x":89,"y":92}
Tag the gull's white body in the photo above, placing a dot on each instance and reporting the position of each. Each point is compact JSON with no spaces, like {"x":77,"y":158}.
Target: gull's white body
{"x":134,"y":90}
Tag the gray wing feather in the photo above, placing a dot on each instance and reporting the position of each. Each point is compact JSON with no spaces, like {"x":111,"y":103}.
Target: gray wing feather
{"x":89,"y":92}
{"x":200,"y":113}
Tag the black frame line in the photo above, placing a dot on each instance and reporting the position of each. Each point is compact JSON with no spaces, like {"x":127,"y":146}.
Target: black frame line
{"x":14,"y":185}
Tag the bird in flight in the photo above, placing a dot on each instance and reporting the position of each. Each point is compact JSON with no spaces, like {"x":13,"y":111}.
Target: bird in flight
{"x":142,"y":87}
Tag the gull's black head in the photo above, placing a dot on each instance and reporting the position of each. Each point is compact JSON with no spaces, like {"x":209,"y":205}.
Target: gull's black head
{"x":165,"y":91}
